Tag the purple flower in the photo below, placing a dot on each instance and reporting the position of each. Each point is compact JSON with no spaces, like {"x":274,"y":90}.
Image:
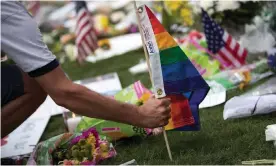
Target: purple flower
{"x":77,"y":139}
{"x":89,"y":131}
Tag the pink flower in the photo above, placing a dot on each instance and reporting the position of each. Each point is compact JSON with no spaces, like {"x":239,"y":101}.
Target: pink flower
{"x":77,"y":139}
{"x":67,"y":162}
{"x":93,"y":131}
{"x":88,"y":163}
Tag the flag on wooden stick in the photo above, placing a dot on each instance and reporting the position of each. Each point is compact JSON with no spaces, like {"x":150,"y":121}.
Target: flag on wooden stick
{"x":86,"y":39}
{"x":173,"y":74}
{"x":227,"y":50}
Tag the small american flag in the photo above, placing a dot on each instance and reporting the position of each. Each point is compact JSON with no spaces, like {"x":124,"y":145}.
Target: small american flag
{"x":86,"y":39}
{"x":226,"y":49}
{"x":33,"y":7}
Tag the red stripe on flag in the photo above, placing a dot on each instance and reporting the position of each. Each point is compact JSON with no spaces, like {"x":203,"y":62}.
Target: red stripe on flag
{"x":83,"y":36}
{"x":94,"y":40}
{"x":90,"y":46}
{"x":86,"y":39}
{"x":89,"y":41}
{"x":223,"y":64}
{"x":236,"y":49}
{"x":94,"y":37}
{"x":81,"y":52}
{"x":81,"y":17}
{"x":232,"y":52}
{"x":244,"y":55}
{"x":225,"y":59}
{"x":235,"y":54}
{"x":81,"y":28}
{"x":228,"y":40}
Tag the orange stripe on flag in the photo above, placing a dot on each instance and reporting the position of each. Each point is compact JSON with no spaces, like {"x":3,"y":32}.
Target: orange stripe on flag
{"x":164,"y":40}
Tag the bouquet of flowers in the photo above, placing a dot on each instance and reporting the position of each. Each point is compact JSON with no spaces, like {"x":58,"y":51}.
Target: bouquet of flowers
{"x":242,"y":77}
{"x":73,"y":149}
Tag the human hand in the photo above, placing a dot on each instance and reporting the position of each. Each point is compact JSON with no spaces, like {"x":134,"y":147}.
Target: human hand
{"x":154,"y":113}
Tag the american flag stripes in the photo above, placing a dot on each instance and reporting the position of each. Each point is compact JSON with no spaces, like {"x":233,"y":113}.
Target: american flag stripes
{"x":226,"y":49}
{"x":86,"y":39}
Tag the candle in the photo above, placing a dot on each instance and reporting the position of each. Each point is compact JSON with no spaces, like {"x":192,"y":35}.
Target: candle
{"x":72,"y":123}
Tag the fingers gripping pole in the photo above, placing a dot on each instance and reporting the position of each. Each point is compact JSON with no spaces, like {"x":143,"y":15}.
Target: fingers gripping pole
{"x":148,"y":64}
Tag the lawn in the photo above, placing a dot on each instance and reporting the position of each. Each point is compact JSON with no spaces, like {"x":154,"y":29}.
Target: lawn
{"x":219,"y":142}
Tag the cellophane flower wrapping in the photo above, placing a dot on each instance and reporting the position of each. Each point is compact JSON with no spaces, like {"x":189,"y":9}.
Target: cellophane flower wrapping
{"x":84,"y":148}
{"x":136,"y":94}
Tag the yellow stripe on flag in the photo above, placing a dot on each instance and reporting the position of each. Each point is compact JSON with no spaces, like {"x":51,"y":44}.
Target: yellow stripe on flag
{"x":170,"y":125}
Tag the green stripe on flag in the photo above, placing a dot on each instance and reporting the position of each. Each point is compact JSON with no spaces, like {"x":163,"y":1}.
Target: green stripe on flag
{"x":172,"y":55}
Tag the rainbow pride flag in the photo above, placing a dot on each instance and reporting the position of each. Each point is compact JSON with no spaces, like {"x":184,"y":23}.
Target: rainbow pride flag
{"x":173,"y":74}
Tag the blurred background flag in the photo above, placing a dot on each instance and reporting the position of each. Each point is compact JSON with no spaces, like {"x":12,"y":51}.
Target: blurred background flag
{"x":228,"y":51}
{"x":33,"y":7}
{"x":86,"y":39}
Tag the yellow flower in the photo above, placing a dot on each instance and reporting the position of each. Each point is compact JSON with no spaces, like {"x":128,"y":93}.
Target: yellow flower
{"x":158,"y":8}
{"x":105,"y":155}
{"x":185,"y":12}
{"x":188,"y":21}
{"x":145,"y":97}
{"x":91,"y":139}
{"x":246,"y":81}
{"x":104,"y":147}
{"x":173,"y":5}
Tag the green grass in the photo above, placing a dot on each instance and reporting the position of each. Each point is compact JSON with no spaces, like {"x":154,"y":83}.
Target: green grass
{"x":218,"y":142}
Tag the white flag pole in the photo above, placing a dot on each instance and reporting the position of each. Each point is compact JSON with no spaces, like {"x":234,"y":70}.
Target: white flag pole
{"x":148,"y":63}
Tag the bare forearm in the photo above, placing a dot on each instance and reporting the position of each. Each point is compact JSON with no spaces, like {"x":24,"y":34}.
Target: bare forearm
{"x":83,"y":101}
{"x":77,"y":98}
{"x":88,"y":103}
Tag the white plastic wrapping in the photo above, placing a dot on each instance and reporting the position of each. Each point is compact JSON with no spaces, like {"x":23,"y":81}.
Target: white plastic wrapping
{"x":239,"y":107}
{"x":270,"y":133}
{"x":261,"y":100}
{"x":266,"y":104}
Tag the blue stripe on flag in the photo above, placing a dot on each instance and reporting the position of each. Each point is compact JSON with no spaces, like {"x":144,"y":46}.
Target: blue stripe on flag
{"x":186,"y":85}
{"x":179,"y":71}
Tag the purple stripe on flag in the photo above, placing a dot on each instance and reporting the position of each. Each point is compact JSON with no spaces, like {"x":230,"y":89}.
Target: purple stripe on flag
{"x":198,"y":96}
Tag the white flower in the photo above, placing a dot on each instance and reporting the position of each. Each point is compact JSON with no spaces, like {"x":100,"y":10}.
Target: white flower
{"x":227,"y":5}
{"x":197,"y":5}
{"x":221,"y":5}
{"x":205,"y":4}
